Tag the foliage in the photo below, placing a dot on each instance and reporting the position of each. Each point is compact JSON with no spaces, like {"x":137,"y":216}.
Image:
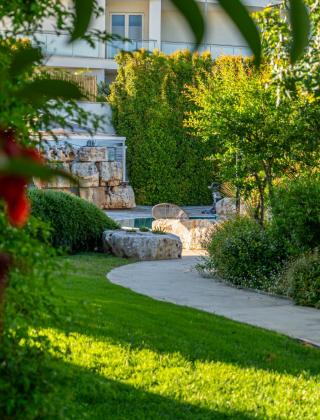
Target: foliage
{"x":245,"y":254}
{"x":302,"y":277}
{"x":255,"y":140}
{"x":149,"y":359}
{"x":295,"y":213}
{"x":77,"y":225}
{"x":165,"y":164}
{"x":23,"y":348}
{"x":290,"y":77}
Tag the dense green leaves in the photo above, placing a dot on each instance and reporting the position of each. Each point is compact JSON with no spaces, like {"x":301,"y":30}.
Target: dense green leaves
{"x":165,"y":163}
{"x":42,"y":90}
{"x":83,"y":14}
{"x":300,"y":24}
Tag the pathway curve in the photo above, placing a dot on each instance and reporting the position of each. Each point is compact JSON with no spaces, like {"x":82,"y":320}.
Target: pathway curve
{"x":177,"y":281}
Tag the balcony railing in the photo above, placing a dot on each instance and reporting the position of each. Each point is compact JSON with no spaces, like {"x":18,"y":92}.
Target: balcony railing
{"x":216,"y":50}
{"x":114,"y":47}
{"x":53,"y":44}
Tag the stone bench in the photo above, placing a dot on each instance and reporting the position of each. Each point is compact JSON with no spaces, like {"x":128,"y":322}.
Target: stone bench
{"x":143,"y":246}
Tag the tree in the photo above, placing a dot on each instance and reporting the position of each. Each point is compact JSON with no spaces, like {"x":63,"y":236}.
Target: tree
{"x":256,"y":141}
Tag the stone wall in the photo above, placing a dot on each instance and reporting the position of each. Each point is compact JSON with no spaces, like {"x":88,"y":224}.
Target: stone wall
{"x":100,"y":180}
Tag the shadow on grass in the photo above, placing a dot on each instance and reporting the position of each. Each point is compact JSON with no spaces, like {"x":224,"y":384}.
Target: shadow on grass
{"x":85,"y":394}
{"x":108,"y":312}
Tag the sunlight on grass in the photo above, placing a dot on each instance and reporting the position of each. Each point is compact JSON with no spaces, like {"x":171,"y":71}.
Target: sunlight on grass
{"x":213,"y":385}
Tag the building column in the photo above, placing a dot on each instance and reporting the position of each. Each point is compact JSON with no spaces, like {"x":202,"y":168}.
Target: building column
{"x":100,"y":24}
{"x":155,"y":21}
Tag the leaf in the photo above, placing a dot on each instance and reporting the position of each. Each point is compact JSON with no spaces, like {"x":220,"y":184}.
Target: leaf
{"x":192,"y":13}
{"x":83,"y":15}
{"x":24,"y":59}
{"x":300,"y":25}
{"x":30,"y":169}
{"x":241,"y":18}
{"x":42,"y":90}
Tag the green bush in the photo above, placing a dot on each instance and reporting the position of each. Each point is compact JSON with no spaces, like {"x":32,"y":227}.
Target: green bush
{"x":76,"y":224}
{"x":302,"y":278}
{"x":24,"y":371}
{"x":296,"y":215}
{"x":165,"y":163}
{"x":244,"y":253}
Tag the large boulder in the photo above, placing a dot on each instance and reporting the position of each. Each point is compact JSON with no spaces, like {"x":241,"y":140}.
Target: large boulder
{"x":60,"y":154}
{"x":226,"y":208}
{"x":120,"y":197}
{"x":93,"y":154}
{"x":87,"y":172}
{"x":193,"y":233}
{"x":111,"y":173}
{"x":95,"y":195}
{"x":57,"y":182}
{"x":143,"y":246}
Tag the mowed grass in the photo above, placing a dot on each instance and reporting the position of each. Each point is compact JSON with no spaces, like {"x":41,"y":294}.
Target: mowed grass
{"x":126,"y":356}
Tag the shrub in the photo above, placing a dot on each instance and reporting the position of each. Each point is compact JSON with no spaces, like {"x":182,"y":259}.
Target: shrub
{"x":24,"y":371}
{"x":302,"y":278}
{"x":244,"y":253}
{"x":76,"y":224}
{"x":295,"y":213}
{"x":165,"y":163}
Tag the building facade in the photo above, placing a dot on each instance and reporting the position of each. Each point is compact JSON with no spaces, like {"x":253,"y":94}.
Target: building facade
{"x":149,"y":24}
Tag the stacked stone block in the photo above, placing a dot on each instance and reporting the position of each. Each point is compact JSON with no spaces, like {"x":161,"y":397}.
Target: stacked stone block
{"x":100,"y":181}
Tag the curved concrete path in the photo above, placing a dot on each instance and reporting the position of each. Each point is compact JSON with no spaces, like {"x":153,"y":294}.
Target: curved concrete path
{"x":177,"y":281}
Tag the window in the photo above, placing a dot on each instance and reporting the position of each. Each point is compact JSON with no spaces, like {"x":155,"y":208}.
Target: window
{"x":127,"y":26}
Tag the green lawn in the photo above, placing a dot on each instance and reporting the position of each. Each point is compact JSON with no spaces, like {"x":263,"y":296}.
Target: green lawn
{"x":130,"y":357}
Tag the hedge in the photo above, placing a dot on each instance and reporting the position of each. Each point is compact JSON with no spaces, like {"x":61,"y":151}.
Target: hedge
{"x":77,"y":225}
{"x":165,"y":163}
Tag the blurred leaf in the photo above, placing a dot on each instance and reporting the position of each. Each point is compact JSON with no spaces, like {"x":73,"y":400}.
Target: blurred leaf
{"x":24,"y":59}
{"x":42,"y":90}
{"x":241,"y":18}
{"x":31,"y":169}
{"x":300,"y":24}
{"x":84,"y":11}
{"x":192,"y":13}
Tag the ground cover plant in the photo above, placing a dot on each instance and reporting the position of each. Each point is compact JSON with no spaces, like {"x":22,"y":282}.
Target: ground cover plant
{"x":76,"y":225}
{"x":128,"y":356}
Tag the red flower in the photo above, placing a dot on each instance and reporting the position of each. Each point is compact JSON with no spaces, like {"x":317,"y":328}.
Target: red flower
{"x":13,"y":188}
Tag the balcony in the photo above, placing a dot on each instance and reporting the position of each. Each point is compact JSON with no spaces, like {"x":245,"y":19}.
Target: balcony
{"x":216,"y":50}
{"x":114,"y":47}
{"x":53,"y":44}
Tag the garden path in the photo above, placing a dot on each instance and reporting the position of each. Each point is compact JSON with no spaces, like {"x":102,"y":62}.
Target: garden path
{"x":178,"y":282}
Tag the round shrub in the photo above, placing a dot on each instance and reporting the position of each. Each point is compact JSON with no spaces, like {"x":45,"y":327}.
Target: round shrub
{"x":76,"y":224}
{"x":303,"y":279}
{"x":244,"y":253}
{"x":295,"y":213}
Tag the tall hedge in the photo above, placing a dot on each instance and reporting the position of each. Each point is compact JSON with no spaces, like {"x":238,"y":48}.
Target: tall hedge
{"x":165,"y":163}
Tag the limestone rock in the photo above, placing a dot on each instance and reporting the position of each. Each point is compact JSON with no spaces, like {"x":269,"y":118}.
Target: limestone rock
{"x":87,"y":172}
{"x":95,"y":195}
{"x":111,"y":173}
{"x":226,"y":208}
{"x":144,"y":246}
{"x":60,"y":154}
{"x":56,"y":182}
{"x":120,"y":197}
{"x":193,"y":233}
{"x":93,"y":154}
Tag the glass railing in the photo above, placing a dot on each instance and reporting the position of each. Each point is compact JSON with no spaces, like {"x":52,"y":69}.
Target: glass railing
{"x":114,"y":47}
{"x":216,"y":50}
{"x":53,"y":44}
